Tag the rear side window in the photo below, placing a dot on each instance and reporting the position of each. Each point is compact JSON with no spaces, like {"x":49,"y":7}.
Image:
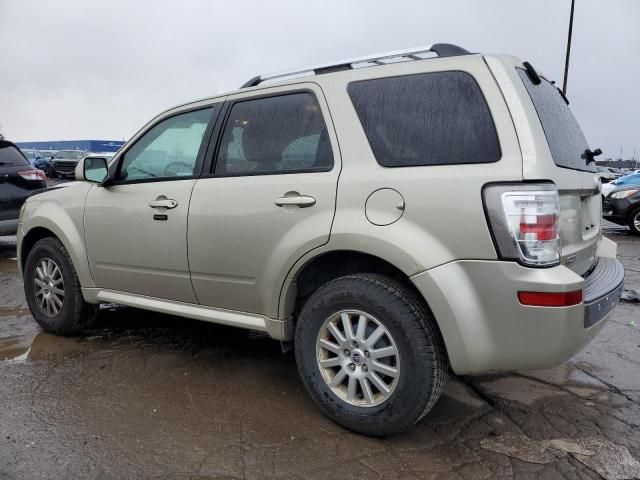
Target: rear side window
{"x":10,"y":155}
{"x":439,"y":118}
{"x":282,"y":134}
{"x":564,"y":136}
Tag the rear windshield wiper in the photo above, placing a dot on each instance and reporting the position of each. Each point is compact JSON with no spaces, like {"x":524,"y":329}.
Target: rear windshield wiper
{"x":590,"y":155}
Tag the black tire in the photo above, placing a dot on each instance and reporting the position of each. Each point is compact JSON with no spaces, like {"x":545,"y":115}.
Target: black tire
{"x":412,"y":327}
{"x":75,"y":314}
{"x":630,"y":221}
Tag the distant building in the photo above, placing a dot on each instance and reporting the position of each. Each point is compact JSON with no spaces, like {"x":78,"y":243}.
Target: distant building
{"x":86,"y":145}
{"x":619,"y":163}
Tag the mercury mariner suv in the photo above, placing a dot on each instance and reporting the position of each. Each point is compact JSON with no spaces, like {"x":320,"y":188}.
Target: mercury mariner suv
{"x":390,"y":217}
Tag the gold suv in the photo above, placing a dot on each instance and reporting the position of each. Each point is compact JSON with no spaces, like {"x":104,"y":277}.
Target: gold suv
{"x":393,"y":216}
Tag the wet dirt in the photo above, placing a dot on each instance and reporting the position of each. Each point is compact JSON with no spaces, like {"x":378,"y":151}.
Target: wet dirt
{"x":144,"y":395}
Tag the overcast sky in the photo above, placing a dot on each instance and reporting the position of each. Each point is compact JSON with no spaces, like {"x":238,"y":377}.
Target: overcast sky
{"x":78,"y":69}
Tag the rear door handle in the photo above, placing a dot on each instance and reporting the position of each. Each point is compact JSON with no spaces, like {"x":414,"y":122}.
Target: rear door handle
{"x":302,"y":201}
{"x":167,"y":203}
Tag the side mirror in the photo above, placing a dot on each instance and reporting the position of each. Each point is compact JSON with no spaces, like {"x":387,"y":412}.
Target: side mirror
{"x":92,"y":169}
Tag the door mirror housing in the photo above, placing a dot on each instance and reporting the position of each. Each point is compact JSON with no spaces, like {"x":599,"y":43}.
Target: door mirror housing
{"x":93,"y":169}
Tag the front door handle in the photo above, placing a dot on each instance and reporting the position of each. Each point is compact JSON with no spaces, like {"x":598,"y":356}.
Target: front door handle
{"x":163,"y":202}
{"x":302,"y":201}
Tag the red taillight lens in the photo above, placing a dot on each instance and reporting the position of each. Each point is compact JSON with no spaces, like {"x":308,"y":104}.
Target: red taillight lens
{"x":33,"y":175}
{"x":550,"y":299}
{"x":544,"y":227}
{"x":533,"y":220}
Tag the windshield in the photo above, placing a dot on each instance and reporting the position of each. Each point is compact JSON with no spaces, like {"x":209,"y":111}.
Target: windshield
{"x":74,"y":154}
{"x":564,"y":136}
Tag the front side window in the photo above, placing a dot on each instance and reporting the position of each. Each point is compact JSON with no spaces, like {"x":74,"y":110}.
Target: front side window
{"x":439,"y":118}
{"x":282,"y":134}
{"x":168,"y":150}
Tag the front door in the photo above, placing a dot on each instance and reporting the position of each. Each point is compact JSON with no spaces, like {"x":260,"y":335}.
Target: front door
{"x":270,"y":197}
{"x":136,"y":228}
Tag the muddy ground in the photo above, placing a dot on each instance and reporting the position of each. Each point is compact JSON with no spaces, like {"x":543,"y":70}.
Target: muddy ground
{"x":143,"y":395}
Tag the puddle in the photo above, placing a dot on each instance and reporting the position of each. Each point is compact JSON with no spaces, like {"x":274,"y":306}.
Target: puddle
{"x":9,"y":265}
{"x":607,"y":459}
{"x":44,"y":346}
{"x":14,"y":312}
{"x":15,"y":348}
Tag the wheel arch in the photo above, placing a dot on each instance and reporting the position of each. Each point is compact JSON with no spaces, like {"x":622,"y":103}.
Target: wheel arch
{"x":307,"y":276}
{"x":64,"y":229}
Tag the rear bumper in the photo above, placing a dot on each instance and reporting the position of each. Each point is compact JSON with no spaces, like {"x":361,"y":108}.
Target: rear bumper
{"x":486,"y":329}
{"x":602,"y":289}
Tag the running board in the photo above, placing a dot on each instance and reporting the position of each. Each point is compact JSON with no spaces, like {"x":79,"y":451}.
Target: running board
{"x":250,"y":321}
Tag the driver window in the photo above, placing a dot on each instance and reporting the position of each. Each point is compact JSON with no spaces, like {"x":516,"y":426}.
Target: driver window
{"x":168,"y":150}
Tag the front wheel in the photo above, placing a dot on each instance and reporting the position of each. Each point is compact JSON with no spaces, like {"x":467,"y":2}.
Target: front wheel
{"x":633,"y":221}
{"x":53,"y":291}
{"x":370,"y":354}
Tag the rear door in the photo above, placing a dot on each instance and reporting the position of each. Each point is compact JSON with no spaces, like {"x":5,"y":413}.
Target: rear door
{"x":568,"y":165}
{"x":269,"y":197}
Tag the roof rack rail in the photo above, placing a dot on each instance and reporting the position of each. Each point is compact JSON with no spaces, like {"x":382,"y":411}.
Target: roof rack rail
{"x":440,"y":49}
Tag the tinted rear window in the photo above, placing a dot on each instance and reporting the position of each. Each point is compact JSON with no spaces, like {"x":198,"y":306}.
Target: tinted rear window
{"x":564,"y":136}
{"x":438,"y":118}
{"x":10,"y":155}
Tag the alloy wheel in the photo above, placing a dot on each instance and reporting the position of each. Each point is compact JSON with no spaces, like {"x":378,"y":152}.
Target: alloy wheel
{"x":358,"y":358}
{"x":49,"y":287}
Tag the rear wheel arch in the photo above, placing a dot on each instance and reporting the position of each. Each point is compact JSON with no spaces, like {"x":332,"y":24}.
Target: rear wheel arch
{"x":334,"y":264}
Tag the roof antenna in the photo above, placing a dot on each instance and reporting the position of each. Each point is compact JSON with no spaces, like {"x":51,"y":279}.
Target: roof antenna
{"x":566,"y":62}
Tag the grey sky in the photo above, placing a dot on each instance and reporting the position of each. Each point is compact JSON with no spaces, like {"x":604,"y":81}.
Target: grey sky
{"x":74,"y":69}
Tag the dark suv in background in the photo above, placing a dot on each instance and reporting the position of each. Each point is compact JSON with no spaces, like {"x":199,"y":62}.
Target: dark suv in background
{"x":18,"y":178}
{"x":64,"y":163}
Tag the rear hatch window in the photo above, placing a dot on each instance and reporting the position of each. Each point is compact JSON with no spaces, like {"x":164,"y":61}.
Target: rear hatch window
{"x":564,"y":136}
{"x":580,"y":199}
{"x":10,"y":156}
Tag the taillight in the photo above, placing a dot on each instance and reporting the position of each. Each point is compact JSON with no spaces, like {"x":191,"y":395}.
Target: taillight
{"x":33,"y":175}
{"x":525,"y":221}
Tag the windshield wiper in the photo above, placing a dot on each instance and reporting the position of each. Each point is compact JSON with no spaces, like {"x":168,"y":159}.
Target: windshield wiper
{"x":589,"y":155}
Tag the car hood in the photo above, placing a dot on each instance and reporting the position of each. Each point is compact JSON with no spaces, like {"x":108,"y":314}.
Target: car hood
{"x":56,"y":187}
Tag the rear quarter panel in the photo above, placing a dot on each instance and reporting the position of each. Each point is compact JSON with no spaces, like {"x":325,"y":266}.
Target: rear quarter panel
{"x":443,"y":219}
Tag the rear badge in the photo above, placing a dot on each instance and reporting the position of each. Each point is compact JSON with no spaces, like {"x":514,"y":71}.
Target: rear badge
{"x":571,"y":259}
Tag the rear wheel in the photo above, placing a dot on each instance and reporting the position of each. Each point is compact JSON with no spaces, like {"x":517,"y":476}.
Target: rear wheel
{"x":633,"y":221}
{"x":369,"y":354}
{"x":53,"y":291}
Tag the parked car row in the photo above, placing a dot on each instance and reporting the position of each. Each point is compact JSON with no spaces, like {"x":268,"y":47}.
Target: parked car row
{"x":18,"y":179}
{"x":621,"y":201}
{"x":57,"y":163}
{"x":23,"y":172}
{"x":608,"y":174}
